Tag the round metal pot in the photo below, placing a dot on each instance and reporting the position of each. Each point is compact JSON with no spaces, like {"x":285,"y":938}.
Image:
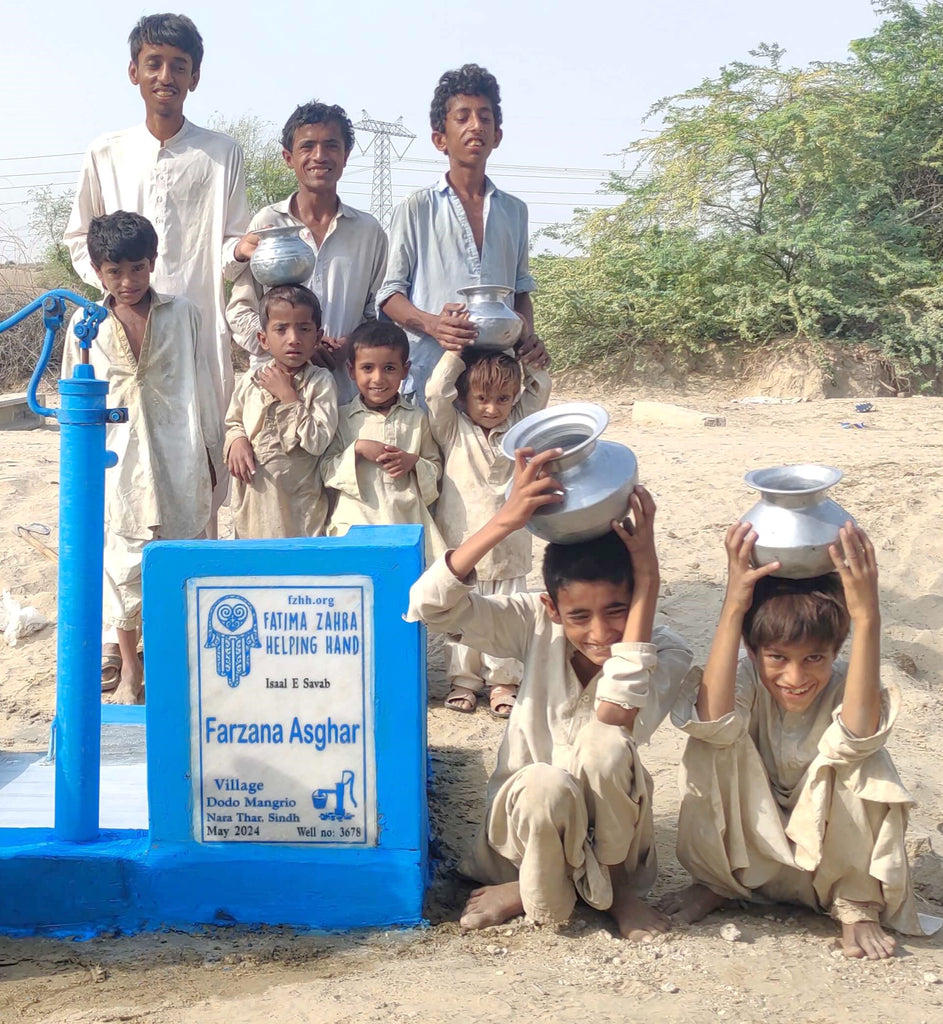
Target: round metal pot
{"x":597,"y":476}
{"x":498,"y":325}
{"x":795,"y":522}
{"x":283,"y":257}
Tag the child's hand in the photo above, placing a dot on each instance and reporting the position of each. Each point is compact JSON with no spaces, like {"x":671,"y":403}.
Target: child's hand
{"x":369,"y":450}
{"x":531,"y":489}
{"x":241,"y":460}
{"x":856,"y":563}
{"x":638,"y":535}
{"x":741,"y":576}
{"x":396,"y":462}
{"x":277,"y":382}
{"x":452,"y":328}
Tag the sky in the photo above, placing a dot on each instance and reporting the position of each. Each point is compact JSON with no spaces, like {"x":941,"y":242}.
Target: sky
{"x":576,"y":78}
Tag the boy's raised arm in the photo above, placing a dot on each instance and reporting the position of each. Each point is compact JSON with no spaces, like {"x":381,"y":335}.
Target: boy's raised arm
{"x":441,"y":394}
{"x":854,"y":559}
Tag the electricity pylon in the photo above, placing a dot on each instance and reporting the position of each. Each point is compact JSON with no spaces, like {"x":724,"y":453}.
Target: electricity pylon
{"x":381,"y":195}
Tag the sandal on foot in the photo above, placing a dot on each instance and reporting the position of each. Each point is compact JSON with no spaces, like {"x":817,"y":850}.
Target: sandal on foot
{"x":461,"y":699}
{"x":111,"y":672}
{"x":501,"y":700}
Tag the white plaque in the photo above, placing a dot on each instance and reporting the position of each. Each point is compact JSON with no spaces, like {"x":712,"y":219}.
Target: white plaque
{"x":281,"y":709}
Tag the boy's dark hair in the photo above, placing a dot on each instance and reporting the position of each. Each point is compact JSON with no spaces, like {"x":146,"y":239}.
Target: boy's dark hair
{"x":797,"y":612}
{"x":488,"y":372}
{"x":603,"y":559}
{"x":295,"y":295}
{"x":167,"y":30}
{"x":377,"y":334}
{"x":316,"y":112}
{"x":121,"y":236}
{"x":468,"y":80}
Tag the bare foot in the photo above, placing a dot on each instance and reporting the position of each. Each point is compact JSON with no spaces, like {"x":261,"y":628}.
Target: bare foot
{"x":866,"y":939}
{"x":637,"y":921}
{"x":491,"y":905}
{"x":685,"y":906}
{"x":131,"y":688}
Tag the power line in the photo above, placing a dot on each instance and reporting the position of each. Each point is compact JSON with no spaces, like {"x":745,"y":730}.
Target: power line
{"x":41,"y":156}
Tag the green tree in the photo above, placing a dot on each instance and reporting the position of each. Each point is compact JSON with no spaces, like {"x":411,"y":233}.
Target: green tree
{"x":49,"y":215}
{"x":268,"y":178}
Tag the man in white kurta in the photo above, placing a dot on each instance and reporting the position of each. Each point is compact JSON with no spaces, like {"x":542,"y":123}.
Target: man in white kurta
{"x":475,"y":477}
{"x":569,"y":801}
{"x":348,"y":271}
{"x":285,"y":497}
{"x":366,"y":494}
{"x":191,"y":187}
{"x":160,"y":488}
{"x":791,"y":806}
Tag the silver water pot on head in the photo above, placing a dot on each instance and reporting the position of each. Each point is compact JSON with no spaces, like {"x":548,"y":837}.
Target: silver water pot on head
{"x":498,"y":325}
{"x":597,"y":476}
{"x":794,"y":520}
{"x":282,"y":257}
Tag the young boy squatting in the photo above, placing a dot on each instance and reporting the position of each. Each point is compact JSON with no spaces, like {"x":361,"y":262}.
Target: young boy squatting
{"x":569,"y":807}
{"x":383,"y":463}
{"x":281,"y":419}
{"x":149,"y":351}
{"x":788,"y":791}
{"x":471,"y":405}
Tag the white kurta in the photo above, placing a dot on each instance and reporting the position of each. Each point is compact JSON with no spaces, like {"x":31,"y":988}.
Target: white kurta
{"x":192,"y":189}
{"x":475,"y":472}
{"x":367,"y":494}
{"x":791,"y":806}
{"x":347,"y":274}
{"x":553,"y":709}
{"x":285,"y":497}
{"x":161,"y":483}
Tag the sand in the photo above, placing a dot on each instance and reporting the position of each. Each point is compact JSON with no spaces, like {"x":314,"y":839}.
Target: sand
{"x":784,"y":967}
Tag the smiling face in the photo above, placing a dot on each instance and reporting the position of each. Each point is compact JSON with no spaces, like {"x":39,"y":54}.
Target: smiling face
{"x":593,"y":614}
{"x":378,"y":372}
{"x":291,"y":335}
{"x":165,"y":75}
{"x":470,"y":133}
{"x":127,"y":280}
{"x":318,"y":156}
{"x":794,"y":674}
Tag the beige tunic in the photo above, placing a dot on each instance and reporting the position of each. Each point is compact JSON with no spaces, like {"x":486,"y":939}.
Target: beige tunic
{"x":553,"y":709}
{"x":367,"y":494}
{"x":285,"y":497}
{"x":476,"y":473}
{"x":791,"y":806}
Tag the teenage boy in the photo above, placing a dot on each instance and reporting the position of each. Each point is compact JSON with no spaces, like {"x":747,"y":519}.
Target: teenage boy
{"x":461,"y":231}
{"x":188,"y":182}
{"x":149,"y":352}
{"x":349,"y":245}
{"x":569,"y":805}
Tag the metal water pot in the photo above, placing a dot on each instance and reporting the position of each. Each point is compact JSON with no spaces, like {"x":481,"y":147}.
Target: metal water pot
{"x":597,"y":476}
{"x":283,"y":257}
{"x":498,"y":325}
{"x":795,"y":522}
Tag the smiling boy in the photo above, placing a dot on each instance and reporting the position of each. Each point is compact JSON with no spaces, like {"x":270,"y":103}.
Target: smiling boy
{"x":281,"y":419}
{"x":569,"y":805}
{"x":461,"y":231}
{"x":349,"y":245}
{"x":788,"y":791}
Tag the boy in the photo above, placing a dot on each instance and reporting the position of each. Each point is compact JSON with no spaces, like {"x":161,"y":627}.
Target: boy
{"x":788,"y":792}
{"x":149,"y":351}
{"x":470,"y":409}
{"x":350,"y":245}
{"x":280,"y":420}
{"x":383,"y":463}
{"x":569,"y":804}
{"x":189,"y":183}
{"x":459,"y":232}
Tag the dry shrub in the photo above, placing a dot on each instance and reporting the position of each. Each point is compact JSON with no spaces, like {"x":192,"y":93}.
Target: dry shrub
{"x":20,"y":345}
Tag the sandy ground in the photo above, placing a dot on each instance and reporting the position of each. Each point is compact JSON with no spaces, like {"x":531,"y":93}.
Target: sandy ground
{"x":785,"y":966}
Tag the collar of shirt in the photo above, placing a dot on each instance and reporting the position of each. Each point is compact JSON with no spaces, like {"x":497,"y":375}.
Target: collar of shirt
{"x":358,"y":405}
{"x":173,"y":142}
{"x":444,"y":186}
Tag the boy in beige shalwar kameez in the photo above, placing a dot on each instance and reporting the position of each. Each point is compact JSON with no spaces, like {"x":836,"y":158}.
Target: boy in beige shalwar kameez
{"x":569,"y":805}
{"x":788,"y":791}
{"x":471,"y":406}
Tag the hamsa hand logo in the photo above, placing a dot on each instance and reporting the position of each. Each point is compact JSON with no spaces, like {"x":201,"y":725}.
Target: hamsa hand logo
{"x":233,"y":629}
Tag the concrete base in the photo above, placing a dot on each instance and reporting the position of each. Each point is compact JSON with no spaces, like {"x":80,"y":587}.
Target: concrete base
{"x":15,"y":413}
